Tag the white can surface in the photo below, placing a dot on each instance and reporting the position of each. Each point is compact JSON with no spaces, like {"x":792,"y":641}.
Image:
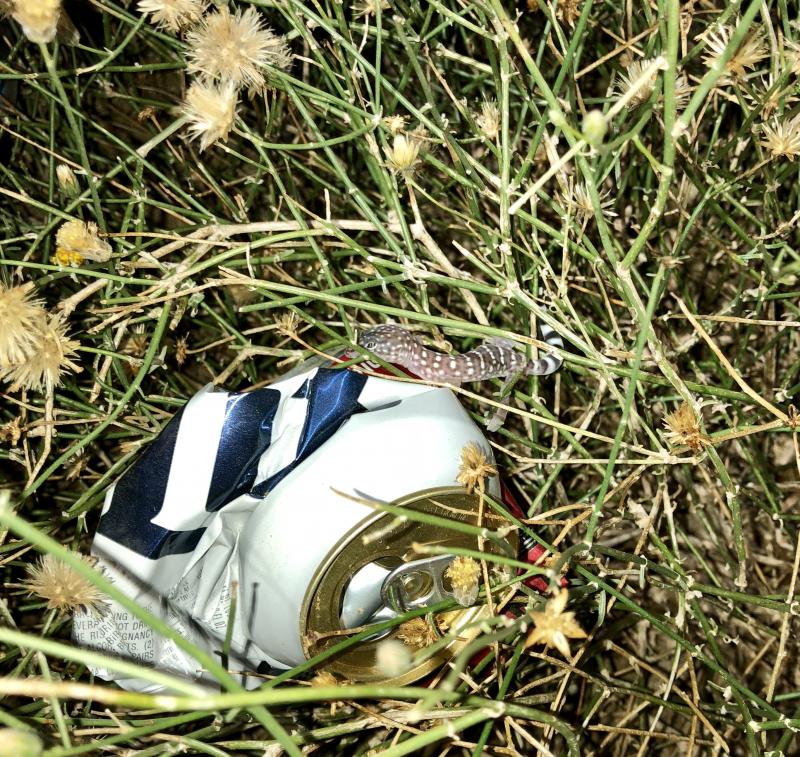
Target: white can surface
{"x":248,"y":489}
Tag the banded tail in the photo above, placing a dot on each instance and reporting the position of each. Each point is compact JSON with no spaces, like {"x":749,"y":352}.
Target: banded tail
{"x":551,"y":362}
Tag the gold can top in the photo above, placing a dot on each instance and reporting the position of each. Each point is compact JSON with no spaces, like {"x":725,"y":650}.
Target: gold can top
{"x":390,"y":541}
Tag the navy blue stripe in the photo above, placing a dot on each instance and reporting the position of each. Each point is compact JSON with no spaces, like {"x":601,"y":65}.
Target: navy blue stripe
{"x":246,"y":435}
{"x":332,"y":398}
{"x":138,"y":498}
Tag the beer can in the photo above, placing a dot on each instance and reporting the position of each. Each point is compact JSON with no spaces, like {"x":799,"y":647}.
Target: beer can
{"x":277,"y":491}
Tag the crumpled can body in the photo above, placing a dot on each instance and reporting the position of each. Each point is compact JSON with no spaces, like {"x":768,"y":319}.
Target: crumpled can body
{"x":247,"y":489}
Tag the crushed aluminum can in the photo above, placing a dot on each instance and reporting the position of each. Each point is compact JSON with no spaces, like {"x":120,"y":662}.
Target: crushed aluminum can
{"x":247,"y":489}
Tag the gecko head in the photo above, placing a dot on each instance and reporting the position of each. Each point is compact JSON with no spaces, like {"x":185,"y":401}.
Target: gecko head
{"x":388,"y":342}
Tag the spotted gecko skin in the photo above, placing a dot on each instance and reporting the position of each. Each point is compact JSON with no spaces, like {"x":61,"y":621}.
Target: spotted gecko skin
{"x":493,"y":359}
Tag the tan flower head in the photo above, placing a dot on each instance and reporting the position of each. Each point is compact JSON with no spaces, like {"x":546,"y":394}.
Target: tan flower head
{"x":404,"y":153}
{"x":569,"y":11}
{"x":578,"y":201}
{"x":38,"y":18}
{"x":553,"y":626}
{"x":369,"y":7}
{"x":768,"y":97}
{"x":136,"y":342}
{"x":684,"y":428}
{"x":20,"y":320}
{"x":211,"y":110}
{"x":782,"y":138}
{"x":287,"y":323}
{"x":77,"y":241}
{"x":172,"y":14}
{"x":67,"y":180}
{"x":748,"y":55}
{"x":324,"y":679}
{"x":235,"y":48}
{"x":475,"y":467}
{"x":395,"y":123}
{"x":417,"y":633}
{"x":181,"y":350}
{"x":11,"y":433}
{"x":464,"y":573}
{"x":63,"y":587}
{"x":48,"y":358}
{"x":791,"y":54}
{"x":633,"y":72}
{"x":488,"y":120}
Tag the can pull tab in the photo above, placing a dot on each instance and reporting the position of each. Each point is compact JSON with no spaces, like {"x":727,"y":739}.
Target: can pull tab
{"x":417,"y":584}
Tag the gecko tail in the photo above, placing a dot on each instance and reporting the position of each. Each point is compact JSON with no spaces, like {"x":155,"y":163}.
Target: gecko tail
{"x":550,"y":363}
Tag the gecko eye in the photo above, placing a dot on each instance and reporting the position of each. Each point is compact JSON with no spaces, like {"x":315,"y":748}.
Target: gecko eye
{"x":369,"y":344}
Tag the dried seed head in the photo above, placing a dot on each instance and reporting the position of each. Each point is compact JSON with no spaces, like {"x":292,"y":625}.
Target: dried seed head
{"x":417,"y":633}
{"x":392,"y":658}
{"x":404,"y":153}
{"x":211,"y":110}
{"x":11,"y":433}
{"x":633,"y":72}
{"x":578,"y":201}
{"x":287,"y":323}
{"x":768,"y":97}
{"x":748,"y":55}
{"x":782,"y":138}
{"x":76,"y":241}
{"x":569,"y":11}
{"x":77,"y":463}
{"x":553,"y":626}
{"x":235,"y":48}
{"x":684,"y":428}
{"x":474,"y":468}
{"x":395,"y":123}
{"x":181,"y":350}
{"x":324,"y":679}
{"x":21,"y":317}
{"x":63,"y":587}
{"x":464,"y":574}
{"x":173,"y":15}
{"x":67,"y":180}
{"x":48,"y":358}
{"x":488,"y":120}
{"x":369,"y":7}
{"x":791,"y":54}
{"x":38,"y":18}
{"x":136,"y":342}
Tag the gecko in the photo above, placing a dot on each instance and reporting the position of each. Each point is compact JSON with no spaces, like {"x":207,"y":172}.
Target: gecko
{"x":495,"y":358}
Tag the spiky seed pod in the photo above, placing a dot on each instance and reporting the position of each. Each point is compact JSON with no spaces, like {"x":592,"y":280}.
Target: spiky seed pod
{"x":172,"y":15}
{"x":63,"y":587}
{"x":47,"y":360}
{"x":38,"y":18}
{"x":236,"y":48}
{"x":21,"y":317}
{"x":474,"y":468}
{"x":464,"y":574}
{"x":211,"y":110}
